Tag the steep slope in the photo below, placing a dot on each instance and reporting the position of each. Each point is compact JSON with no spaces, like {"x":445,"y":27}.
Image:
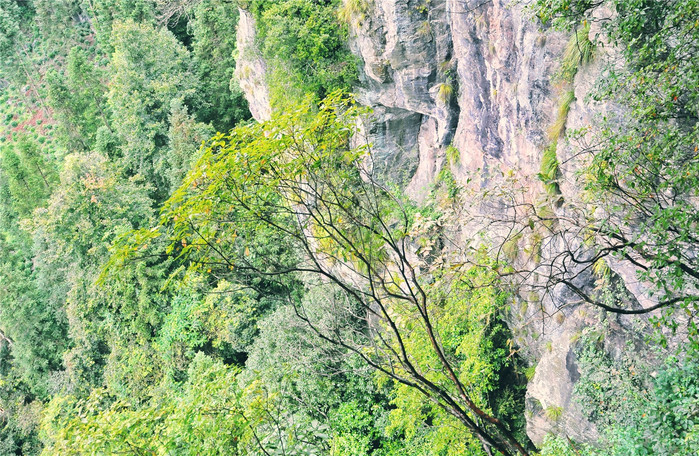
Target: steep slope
{"x":487,"y":80}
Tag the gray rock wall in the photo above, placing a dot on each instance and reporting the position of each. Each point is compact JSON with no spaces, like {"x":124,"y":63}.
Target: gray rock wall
{"x":480,"y":76}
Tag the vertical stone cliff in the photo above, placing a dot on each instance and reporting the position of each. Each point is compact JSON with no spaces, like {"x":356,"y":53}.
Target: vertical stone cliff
{"x":479,"y":76}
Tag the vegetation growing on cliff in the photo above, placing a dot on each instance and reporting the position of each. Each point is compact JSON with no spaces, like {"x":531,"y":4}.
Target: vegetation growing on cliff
{"x":640,"y":182}
{"x":167,"y":289}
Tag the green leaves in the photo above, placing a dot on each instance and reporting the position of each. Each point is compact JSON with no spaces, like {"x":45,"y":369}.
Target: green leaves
{"x":641,"y":175}
{"x":203,"y":417}
{"x":305,"y":45}
{"x":640,"y":409}
{"x":150,"y":69}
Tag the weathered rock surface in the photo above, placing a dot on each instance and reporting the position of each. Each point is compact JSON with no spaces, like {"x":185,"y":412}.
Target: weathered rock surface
{"x":479,"y":76}
{"x":550,"y":398}
{"x":251,"y":69}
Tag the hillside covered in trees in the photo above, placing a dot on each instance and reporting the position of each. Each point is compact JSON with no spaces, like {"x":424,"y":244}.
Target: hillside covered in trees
{"x":451,"y":228}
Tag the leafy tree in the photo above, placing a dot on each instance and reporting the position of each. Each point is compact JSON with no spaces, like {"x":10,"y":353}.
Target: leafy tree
{"x":91,"y":206}
{"x":62,"y":22}
{"x":20,"y":408}
{"x":204,"y":416}
{"x":327,"y":395}
{"x":105,"y":13}
{"x":213,"y":47}
{"x":185,"y":137}
{"x":639,"y":409}
{"x":30,"y":175}
{"x":305,"y":45}
{"x":316,"y":196}
{"x":89,"y":209}
{"x":149,"y":69}
{"x":26,"y":318}
{"x":79,"y":99}
{"x":14,"y":20}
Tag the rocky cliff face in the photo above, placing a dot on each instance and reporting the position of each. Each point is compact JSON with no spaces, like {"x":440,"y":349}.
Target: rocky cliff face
{"x":479,"y":76}
{"x":251,"y":69}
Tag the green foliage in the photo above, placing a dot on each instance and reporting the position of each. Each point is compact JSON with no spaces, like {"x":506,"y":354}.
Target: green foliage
{"x":201,"y":334}
{"x":243,"y":189}
{"x":204,"y":416}
{"x":558,"y":446}
{"x":21,"y":410}
{"x":445,"y":179}
{"x":79,"y":99}
{"x":185,"y":138}
{"x":213,"y":46}
{"x":14,"y":18}
{"x":510,"y":248}
{"x":453,"y":155}
{"x":30,"y":175}
{"x":553,"y":413}
{"x":477,"y":340}
{"x":149,"y":70}
{"x":549,"y":170}
{"x":105,"y":13}
{"x":56,"y":20}
{"x":650,"y":151}
{"x":639,"y":411}
{"x":311,"y":376}
{"x":529,"y":372}
{"x":102,"y":96}
{"x":305,"y":45}
{"x":25,"y":319}
{"x":90,"y":207}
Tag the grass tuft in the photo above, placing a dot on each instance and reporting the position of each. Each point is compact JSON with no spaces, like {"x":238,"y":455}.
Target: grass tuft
{"x":529,"y":373}
{"x":549,"y":170}
{"x":559,"y":126}
{"x":579,"y":51}
{"x":424,"y":29}
{"x":553,"y":413}
{"x":453,"y":155}
{"x":353,"y":10}
{"x":445,"y":92}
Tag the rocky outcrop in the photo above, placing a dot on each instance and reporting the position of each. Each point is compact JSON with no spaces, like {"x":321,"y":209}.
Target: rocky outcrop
{"x":478,"y":73}
{"x":251,"y":69}
{"x":479,"y":76}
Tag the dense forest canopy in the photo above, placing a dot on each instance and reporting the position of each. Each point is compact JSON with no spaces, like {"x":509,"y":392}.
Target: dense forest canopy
{"x":177,"y":278}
